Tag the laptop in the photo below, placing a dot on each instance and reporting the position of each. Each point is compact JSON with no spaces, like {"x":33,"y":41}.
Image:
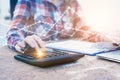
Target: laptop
{"x":113,"y":56}
{"x":82,"y":47}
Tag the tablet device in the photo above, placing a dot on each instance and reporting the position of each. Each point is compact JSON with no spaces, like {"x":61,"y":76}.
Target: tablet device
{"x":113,"y":56}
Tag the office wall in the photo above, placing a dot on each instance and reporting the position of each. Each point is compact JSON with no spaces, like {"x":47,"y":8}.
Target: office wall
{"x":102,"y":15}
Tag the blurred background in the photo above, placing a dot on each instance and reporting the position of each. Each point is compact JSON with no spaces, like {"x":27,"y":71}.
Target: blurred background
{"x":4,"y":20}
{"x":101,"y":15}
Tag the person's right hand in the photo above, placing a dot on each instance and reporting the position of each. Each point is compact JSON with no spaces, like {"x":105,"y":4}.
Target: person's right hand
{"x":33,"y":41}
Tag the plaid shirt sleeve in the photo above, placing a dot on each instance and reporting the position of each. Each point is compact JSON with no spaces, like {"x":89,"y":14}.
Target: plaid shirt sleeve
{"x":21,"y":15}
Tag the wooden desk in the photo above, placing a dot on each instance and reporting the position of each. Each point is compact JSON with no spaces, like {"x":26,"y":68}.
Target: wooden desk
{"x":87,"y":68}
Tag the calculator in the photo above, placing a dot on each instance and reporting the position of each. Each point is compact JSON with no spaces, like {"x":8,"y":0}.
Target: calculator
{"x":52,"y":58}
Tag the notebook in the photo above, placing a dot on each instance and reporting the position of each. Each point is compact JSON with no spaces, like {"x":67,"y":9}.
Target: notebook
{"x":82,"y":47}
{"x":113,"y":56}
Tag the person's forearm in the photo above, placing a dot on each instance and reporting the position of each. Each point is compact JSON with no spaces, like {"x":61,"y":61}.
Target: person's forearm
{"x":13,"y":37}
{"x":94,"y":36}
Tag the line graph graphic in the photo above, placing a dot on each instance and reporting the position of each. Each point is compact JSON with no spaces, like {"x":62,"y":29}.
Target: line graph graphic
{"x":52,"y":25}
{"x":75,"y":29}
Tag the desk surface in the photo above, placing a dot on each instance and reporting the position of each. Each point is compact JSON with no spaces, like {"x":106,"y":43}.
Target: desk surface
{"x":87,"y":68}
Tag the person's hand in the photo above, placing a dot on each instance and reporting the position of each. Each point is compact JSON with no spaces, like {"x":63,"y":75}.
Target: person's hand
{"x":105,"y":45}
{"x":33,"y":41}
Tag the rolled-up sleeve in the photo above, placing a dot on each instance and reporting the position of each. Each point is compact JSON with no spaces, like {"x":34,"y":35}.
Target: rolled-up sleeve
{"x":21,"y":15}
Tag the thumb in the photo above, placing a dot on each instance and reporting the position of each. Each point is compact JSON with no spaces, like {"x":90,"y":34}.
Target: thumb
{"x":19,"y":49}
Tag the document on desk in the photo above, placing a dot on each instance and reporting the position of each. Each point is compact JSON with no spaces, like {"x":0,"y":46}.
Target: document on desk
{"x":82,"y":47}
